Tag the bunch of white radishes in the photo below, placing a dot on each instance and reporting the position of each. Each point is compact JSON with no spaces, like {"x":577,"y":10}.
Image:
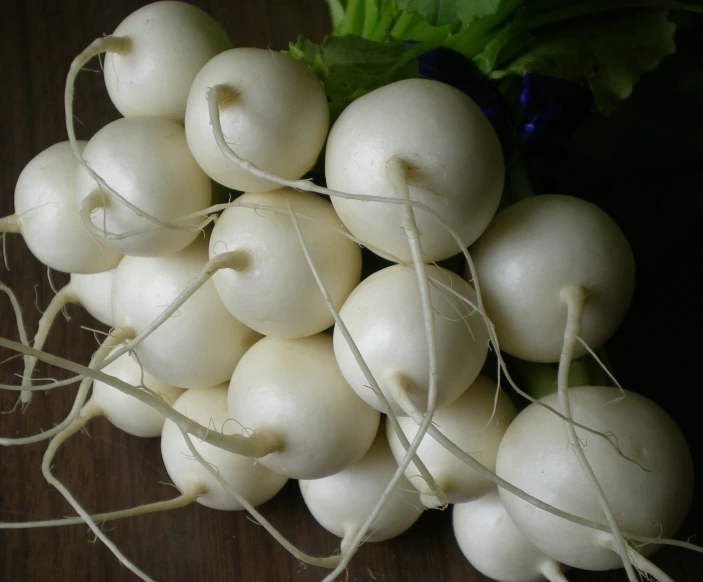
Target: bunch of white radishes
{"x":220,"y":315}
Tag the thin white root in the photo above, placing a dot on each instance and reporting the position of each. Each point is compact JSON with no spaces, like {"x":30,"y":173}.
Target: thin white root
{"x":102,"y":352}
{"x":4,"y":251}
{"x":387,"y":408}
{"x":97,"y":200}
{"x":255,"y":446}
{"x":113,"y":44}
{"x":551,"y":570}
{"x":58,"y":302}
{"x":600,"y":362}
{"x":10,"y":224}
{"x":37,"y":387}
{"x":644,"y":565}
{"x":575,"y":298}
{"x":328,"y":562}
{"x":188,"y":497}
{"x":397,"y":175}
{"x":349,"y":535}
{"x":640,"y":562}
{"x":55,"y":443}
{"x":25,"y":396}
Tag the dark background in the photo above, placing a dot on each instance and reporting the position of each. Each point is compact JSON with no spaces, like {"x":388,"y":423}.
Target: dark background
{"x":641,"y":166}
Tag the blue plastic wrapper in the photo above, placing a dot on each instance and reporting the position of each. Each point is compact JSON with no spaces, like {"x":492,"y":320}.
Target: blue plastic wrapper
{"x":552,"y":109}
{"x":549,"y":112}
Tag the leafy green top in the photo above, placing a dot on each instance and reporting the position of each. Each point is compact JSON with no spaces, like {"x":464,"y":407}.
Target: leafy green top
{"x":604,"y":44}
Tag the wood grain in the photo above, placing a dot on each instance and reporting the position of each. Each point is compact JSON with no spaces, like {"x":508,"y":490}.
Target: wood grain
{"x":108,"y":469}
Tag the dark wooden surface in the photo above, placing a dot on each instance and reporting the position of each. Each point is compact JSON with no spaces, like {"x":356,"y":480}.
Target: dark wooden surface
{"x":108,"y":469}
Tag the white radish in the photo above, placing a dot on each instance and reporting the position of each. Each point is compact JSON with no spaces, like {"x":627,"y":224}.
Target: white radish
{"x":200,"y":344}
{"x":163,"y":181}
{"x":126,"y":412}
{"x":649,"y":485}
{"x":274,"y":113}
{"x":165,"y":45}
{"x":476,"y":422}
{"x":46,"y":215}
{"x":451,"y":155}
{"x":247,"y":476}
{"x":384,"y":316}
{"x":493,"y":545}
{"x":274,"y":291}
{"x":340,"y":503}
{"x":293,"y":390}
{"x":535,"y":249}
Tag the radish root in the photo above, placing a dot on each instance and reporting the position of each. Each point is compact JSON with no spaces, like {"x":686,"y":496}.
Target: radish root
{"x":75,"y":426}
{"x":64,"y":296}
{"x":575,"y":297}
{"x":329,"y":562}
{"x":190,"y":495}
{"x":25,"y":396}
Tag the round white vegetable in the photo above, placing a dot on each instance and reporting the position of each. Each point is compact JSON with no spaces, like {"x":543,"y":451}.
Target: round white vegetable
{"x":275,"y":293}
{"x":247,"y":476}
{"x":650,"y":491}
{"x":341,"y":503}
{"x":47,"y":216}
{"x":275,"y":115}
{"x":168,"y":43}
{"x":539,"y":246}
{"x":163,"y":180}
{"x":200,"y":345}
{"x":454,"y":158}
{"x":293,"y":389}
{"x":126,"y":412}
{"x":493,"y":545}
{"x":476,"y":423}
{"x":384,"y":317}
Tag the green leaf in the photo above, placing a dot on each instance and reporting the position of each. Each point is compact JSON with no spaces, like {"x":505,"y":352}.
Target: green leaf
{"x":471,"y":40}
{"x":609,"y":52}
{"x":503,"y":46}
{"x":414,"y":27}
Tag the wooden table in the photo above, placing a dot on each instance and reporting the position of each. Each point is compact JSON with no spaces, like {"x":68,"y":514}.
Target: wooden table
{"x":108,"y":469}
